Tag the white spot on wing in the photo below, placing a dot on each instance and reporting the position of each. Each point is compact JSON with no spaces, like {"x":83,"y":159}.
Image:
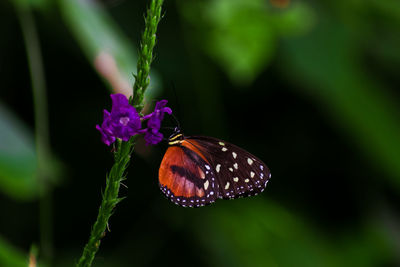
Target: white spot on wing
{"x":252,"y":174}
{"x":235,"y":166}
{"x":236,"y":179}
{"x":227,"y":185}
{"x":206,"y":185}
{"x":224,"y":149}
{"x":218,"y":167}
{"x":247,"y":180}
{"x":231,"y":169}
{"x":234,"y":155}
{"x":207,"y":167}
{"x":249,"y":161}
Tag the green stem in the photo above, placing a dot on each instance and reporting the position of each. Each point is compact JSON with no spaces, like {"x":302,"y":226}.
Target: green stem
{"x":146,"y":53}
{"x":109,"y":201}
{"x":124,"y":150}
{"x":34,"y":56}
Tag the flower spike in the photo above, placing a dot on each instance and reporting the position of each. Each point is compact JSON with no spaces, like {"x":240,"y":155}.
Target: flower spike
{"x":123,"y":121}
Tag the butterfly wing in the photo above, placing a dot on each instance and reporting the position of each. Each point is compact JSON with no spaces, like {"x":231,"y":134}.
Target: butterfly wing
{"x":238,"y":172}
{"x":186,"y":177}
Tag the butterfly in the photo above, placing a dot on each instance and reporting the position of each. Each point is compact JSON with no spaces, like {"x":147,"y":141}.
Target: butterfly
{"x":198,"y":170}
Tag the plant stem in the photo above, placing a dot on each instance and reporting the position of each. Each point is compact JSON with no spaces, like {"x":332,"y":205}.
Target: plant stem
{"x":123,"y":152}
{"x":109,"y":201}
{"x":146,"y":53}
{"x":34,"y":56}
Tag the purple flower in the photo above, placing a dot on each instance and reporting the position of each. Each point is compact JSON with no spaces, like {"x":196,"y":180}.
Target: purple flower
{"x":152,"y":134}
{"x":124,"y":117}
{"x":152,"y":137}
{"x":123,"y":121}
{"x":157,"y":115}
{"x":106,"y":134}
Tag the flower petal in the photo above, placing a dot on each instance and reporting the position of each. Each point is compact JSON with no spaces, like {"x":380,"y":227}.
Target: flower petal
{"x":119,"y":101}
{"x":153,"y":137}
{"x":107,"y":138}
{"x":125,"y":121}
{"x":167,"y":110}
{"x":160,"y":104}
{"x":106,"y":114}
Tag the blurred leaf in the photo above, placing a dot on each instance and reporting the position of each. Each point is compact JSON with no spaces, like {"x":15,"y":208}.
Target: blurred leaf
{"x":10,"y":256}
{"x":18,"y":162}
{"x":105,"y":46}
{"x":265,"y":234}
{"x":242,"y":35}
{"x":297,"y":20}
{"x":31,"y":3}
{"x":360,"y":105}
{"x":390,"y":9}
{"x":386,"y":50}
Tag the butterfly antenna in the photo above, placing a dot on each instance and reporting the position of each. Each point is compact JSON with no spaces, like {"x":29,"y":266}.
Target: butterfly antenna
{"x":177,"y":104}
{"x":177,"y":122}
{"x":176,"y":98}
{"x":168,"y":127}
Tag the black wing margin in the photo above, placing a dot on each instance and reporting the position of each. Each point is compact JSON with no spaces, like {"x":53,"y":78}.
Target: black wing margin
{"x":239,"y":173}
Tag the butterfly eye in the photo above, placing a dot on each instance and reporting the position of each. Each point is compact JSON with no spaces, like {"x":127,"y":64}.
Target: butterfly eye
{"x":195,"y":171}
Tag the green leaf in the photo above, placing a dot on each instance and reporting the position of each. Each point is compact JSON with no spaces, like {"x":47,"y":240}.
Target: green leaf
{"x":18,"y":162}
{"x":359,"y":105}
{"x":266,"y":234}
{"x":242,"y":35}
{"x":10,"y":256}
{"x":31,"y":3}
{"x":104,"y":44}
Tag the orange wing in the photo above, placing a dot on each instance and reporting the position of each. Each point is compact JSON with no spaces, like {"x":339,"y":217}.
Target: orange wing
{"x":186,"y":177}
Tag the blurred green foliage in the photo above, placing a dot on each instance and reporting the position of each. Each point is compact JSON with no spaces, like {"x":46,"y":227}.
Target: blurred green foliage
{"x":32,"y":3}
{"x":242,"y":36}
{"x":10,"y":256}
{"x":358,"y":103}
{"x":17,"y":158}
{"x":319,"y":102}
{"x":266,"y":234}
{"x":95,"y":31}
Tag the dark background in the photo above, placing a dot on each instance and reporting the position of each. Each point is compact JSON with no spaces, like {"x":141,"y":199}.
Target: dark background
{"x":310,"y":88}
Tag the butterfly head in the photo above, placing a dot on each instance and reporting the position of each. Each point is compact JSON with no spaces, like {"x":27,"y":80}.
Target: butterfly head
{"x":176,"y":137}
